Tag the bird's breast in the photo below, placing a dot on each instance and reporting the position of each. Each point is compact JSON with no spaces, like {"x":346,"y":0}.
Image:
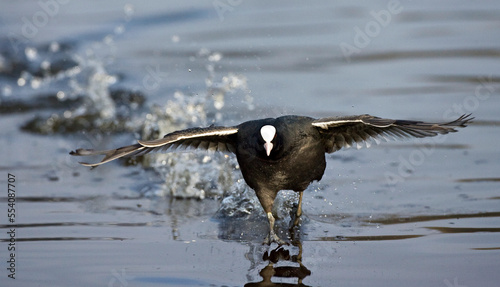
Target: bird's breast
{"x":294,"y":170}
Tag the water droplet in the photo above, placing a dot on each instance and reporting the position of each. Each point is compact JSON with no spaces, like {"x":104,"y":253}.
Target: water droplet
{"x":218,"y":100}
{"x":61,"y":95}
{"x":108,"y":40}
{"x":215,"y":57}
{"x":31,"y":53}
{"x":203,"y":52}
{"x":54,"y":47}
{"x":21,"y":82}
{"x":45,"y":65}
{"x":119,"y":29}
{"x":6,"y":91}
{"x":36,"y":83}
{"x":129,"y":11}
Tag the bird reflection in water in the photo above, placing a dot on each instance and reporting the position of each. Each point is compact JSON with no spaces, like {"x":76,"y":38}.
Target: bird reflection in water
{"x":285,"y":270}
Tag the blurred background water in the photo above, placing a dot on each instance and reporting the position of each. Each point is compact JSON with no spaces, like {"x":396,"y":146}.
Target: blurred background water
{"x":98,"y":74}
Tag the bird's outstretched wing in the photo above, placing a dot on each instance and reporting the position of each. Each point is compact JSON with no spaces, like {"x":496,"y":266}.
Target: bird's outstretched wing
{"x":210,"y":138}
{"x":345,"y":131}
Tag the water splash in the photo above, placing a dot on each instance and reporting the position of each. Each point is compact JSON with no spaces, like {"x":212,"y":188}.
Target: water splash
{"x":83,"y":84}
{"x":93,"y":81}
{"x":240,"y":202}
{"x":197,"y":174}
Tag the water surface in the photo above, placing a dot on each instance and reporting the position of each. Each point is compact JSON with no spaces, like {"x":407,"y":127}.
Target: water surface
{"x":413,"y":213}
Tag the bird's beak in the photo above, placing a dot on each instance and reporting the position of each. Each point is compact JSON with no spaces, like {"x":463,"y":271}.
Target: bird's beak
{"x":268,"y":146}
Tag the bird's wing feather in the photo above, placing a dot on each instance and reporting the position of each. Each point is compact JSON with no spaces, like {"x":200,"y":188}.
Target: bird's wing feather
{"x":345,"y":131}
{"x":210,"y":138}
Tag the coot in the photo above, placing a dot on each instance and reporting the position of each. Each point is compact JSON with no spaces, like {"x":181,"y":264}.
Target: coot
{"x":285,"y":153}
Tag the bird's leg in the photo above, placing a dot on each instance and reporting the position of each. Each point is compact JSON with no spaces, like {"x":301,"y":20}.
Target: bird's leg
{"x":299,"y":210}
{"x":266,"y":200}
{"x":295,"y":214}
{"x":272,"y":237}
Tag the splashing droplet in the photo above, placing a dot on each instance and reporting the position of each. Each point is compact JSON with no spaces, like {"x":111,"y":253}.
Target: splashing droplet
{"x":129,"y":11}
{"x":31,"y":53}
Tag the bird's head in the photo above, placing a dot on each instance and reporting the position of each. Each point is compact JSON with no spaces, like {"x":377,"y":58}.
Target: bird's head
{"x":268,"y":134}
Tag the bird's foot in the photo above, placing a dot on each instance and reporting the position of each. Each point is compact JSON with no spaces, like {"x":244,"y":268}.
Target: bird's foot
{"x":295,"y":216}
{"x":272,"y":237}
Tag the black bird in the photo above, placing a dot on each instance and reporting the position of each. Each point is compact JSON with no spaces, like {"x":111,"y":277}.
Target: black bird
{"x":285,"y":153}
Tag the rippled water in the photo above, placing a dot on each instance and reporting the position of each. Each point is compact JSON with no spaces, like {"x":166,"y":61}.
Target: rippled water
{"x":414,"y":213}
